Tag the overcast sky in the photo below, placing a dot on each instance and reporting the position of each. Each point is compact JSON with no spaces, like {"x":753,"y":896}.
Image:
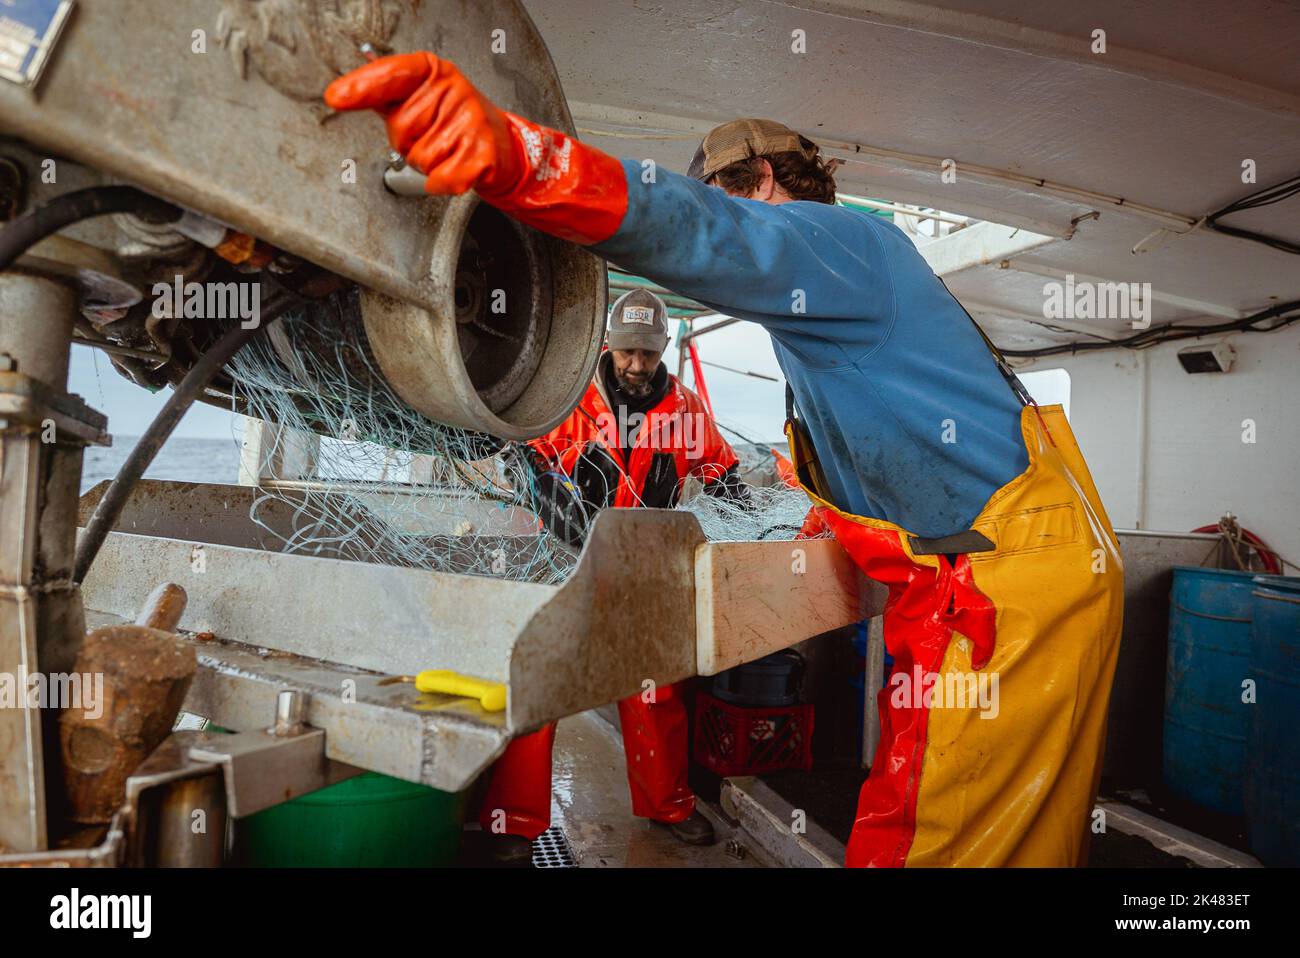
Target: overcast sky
{"x":130,"y":408}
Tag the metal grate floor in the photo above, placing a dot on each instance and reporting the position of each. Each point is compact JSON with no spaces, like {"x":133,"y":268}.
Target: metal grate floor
{"x":551,"y":850}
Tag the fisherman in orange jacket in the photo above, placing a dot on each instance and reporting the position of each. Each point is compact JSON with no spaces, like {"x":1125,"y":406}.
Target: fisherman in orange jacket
{"x":633,"y":440}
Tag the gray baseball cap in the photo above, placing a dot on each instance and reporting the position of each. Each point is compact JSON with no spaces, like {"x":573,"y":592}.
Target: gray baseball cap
{"x":638,"y":320}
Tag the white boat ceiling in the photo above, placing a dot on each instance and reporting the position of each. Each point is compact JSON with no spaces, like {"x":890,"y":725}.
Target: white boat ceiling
{"x":1097,"y":150}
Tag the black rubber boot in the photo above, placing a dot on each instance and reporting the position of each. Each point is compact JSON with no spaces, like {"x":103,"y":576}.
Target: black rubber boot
{"x":508,"y":851}
{"x":693,"y":830}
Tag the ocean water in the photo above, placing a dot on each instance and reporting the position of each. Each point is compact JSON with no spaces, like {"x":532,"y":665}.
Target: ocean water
{"x":187,"y":460}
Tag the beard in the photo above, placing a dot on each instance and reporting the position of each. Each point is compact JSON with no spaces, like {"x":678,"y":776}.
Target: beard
{"x":637,"y":390}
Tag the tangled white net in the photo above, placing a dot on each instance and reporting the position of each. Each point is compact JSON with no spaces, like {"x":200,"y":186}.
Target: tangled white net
{"x":367,"y":478}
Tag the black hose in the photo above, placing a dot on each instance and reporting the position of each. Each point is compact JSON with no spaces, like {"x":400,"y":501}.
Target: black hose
{"x":24,"y":232}
{"x":1169,"y":333}
{"x":196,"y":380}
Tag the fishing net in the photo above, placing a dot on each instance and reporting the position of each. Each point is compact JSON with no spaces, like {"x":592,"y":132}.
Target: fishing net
{"x":367,"y":478}
{"x":772,"y":513}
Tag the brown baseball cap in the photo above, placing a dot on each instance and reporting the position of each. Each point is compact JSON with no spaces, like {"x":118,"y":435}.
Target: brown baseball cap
{"x":742,"y":139}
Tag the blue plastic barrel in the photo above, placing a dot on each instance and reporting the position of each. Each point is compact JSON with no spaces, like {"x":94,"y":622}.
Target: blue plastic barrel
{"x":1206,"y":721}
{"x":1273,"y":752}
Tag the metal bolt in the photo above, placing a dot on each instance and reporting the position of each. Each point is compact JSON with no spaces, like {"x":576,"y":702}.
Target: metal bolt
{"x":289,"y":708}
{"x":283,"y":263}
{"x":734,"y":849}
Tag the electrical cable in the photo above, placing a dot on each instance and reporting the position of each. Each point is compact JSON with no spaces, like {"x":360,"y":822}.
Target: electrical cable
{"x":24,"y":232}
{"x":1171,"y":332}
{"x":742,"y":372}
{"x":1266,"y":197}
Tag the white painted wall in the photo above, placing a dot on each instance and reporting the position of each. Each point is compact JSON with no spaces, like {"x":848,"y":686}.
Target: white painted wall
{"x":1049,"y":387}
{"x":1196,"y":466}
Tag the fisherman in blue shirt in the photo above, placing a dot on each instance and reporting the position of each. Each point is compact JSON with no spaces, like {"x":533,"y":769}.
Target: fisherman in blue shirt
{"x":894,"y":381}
{"x":914,"y":441}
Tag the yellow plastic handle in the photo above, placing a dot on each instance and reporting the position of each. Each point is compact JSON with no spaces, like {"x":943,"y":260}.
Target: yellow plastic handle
{"x":491,"y":695}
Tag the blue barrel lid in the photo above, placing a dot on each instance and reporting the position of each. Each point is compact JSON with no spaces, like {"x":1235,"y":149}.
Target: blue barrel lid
{"x":1202,"y":571}
{"x":1286,"y":584}
{"x":1216,"y":593}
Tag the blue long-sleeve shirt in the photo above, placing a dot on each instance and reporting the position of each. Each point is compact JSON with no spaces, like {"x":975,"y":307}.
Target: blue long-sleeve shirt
{"x":912,"y":421}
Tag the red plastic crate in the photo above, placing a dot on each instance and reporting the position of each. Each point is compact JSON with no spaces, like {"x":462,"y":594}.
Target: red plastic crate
{"x":734,"y":740}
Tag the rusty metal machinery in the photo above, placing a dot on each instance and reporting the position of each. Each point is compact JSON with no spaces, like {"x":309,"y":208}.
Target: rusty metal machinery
{"x":215,"y":106}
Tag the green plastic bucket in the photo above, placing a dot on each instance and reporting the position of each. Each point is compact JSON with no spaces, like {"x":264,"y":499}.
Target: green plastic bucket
{"x":370,"y":821}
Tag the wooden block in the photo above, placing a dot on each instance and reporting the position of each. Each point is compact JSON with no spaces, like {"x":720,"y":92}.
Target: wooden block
{"x":755,"y":598}
{"x":146,"y":674}
{"x":163,"y":608}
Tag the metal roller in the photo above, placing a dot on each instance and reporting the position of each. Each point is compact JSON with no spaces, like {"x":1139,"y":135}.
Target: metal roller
{"x":474,"y":320}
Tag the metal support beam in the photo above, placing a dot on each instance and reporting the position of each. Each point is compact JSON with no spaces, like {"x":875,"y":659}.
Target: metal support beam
{"x":389,"y":619}
{"x":1184,"y":302}
{"x":22,"y":766}
{"x":980,"y":245}
{"x":874,"y":679}
{"x":334,"y":628}
{"x":694,"y":333}
{"x":42,"y":432}
{"x":784,"y":833}
{"x":435,"y":740}
{"x":1173,"y":840}
{"x":270,"y":451}
{"x":990,"y":309}
{"x":262,"y":769}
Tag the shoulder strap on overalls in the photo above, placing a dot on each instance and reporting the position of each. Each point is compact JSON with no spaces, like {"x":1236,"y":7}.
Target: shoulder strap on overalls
{"x":1004,"y":367}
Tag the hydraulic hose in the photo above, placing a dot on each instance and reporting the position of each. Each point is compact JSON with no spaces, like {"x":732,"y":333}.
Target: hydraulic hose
{"x":25,"y":231}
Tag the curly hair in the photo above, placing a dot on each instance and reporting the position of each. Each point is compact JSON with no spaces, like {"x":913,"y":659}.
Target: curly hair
{"x":805,"y":176}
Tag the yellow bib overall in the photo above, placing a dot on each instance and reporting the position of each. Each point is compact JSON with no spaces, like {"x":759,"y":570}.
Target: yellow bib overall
{"x":994,"y":716}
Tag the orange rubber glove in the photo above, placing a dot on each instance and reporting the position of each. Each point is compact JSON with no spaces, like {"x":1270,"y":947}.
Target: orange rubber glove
{"x":461,"y":140}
